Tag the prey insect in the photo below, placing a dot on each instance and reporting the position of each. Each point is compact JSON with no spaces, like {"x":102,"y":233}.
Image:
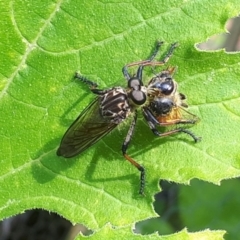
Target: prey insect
{"x":159,"y":100}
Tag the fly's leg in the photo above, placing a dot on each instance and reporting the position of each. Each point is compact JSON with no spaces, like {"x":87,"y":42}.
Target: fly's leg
{"x":125,"y":68}
{"x":178,"y":121}
{"x":156,"y":63}
{"x":132,"y":161}
{"x":91,"y":84}
{"x":149,"y":61}
{"x":177,"y":130}
{"x":152,"y":122}
{"x":164,"y":60}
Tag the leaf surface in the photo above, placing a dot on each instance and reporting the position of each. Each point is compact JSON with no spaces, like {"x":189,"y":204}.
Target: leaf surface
{"x":43,"y":43}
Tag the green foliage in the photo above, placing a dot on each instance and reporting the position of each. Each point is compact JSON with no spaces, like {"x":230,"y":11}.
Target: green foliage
{"x":217,"y":208}
{"x":44,"y":42}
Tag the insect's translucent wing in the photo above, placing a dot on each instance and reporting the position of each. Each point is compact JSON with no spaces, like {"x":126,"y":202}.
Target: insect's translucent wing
{"x":86,"y":130}
{"x":176,"y":116}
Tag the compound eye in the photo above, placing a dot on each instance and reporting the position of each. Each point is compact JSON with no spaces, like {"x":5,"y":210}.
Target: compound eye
{"x":138,"y":97}
{"x":134,"y":83}
{"x":167,"y":86}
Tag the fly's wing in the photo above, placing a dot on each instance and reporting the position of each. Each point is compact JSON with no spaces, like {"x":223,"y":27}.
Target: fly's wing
{"x":86,"y":130}
{"x":176,"y":116}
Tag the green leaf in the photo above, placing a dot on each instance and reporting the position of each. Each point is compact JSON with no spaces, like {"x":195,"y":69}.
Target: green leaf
{"x":43,"y":43}
{"x":107,"y":232}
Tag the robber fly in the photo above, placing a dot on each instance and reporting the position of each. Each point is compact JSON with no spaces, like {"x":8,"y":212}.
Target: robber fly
{"x":159,"y":100}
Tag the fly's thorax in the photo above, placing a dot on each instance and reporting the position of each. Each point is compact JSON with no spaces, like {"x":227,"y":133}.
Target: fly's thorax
{"x":161,"y":106}
{"x":114,"y":105}
{"x":165,"y":104}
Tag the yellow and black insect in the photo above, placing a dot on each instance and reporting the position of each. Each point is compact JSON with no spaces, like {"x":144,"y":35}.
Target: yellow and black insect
{"x":159,"y":101}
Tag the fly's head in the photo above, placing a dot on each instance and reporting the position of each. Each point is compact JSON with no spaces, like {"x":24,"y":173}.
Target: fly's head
{"x":163,"y":93}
